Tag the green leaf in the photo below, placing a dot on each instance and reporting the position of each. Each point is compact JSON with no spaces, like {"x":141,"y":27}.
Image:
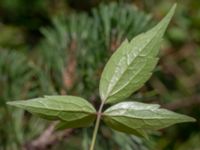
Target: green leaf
{"x":82,"y":122}
{"x":73,"y":111}
{"x":116,"y":125}
{"x":129,"y":117}
{"x":132,"y":64}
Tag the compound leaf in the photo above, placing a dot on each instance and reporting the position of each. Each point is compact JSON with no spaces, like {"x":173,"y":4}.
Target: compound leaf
{"x":132,"y":63}
{"x":129,"y":117}
{"x":69,"y":109}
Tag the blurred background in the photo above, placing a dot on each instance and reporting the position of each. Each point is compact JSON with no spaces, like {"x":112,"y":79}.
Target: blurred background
{"x":61,"y":46}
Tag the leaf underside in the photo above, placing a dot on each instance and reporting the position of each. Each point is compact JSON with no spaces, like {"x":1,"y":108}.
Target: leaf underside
{"x":130,"y":117}
{"x":83,"y":122}
{"x":68,"y":109}
{"x":132,"y":63}
{"x":119,"y":126}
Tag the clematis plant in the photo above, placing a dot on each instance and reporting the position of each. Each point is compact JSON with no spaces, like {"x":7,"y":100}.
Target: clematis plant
{"x":126,"y":71}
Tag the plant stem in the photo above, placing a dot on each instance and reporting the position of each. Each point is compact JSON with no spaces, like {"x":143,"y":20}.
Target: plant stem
{"x":99,"y":113}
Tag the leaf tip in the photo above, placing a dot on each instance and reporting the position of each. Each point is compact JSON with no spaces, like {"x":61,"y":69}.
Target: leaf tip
{"x":18,"y":104}
{"x":188,"y":119}
{"x":11,"y":103}
{"x":166,"y":20}
{"x":173,"y":9}
{"x":191,"y":119}
{"x":174,"y":6}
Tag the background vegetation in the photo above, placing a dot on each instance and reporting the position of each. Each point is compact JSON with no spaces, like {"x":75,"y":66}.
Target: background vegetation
{"x":61,"y":46}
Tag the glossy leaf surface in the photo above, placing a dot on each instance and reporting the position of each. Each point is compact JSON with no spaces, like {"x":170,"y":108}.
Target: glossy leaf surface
{"x":132,"y":63}
{"x":74,"y":111}
{"x":134,"y":116}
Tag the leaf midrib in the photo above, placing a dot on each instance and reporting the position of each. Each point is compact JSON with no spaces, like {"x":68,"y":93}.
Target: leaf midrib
{"x":131,"y":77}
{"x":129,"y":117}
{"x":42,"y":108}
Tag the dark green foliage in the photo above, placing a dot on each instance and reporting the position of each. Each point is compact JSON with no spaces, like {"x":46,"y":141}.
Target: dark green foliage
{"x":15,"y":81}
